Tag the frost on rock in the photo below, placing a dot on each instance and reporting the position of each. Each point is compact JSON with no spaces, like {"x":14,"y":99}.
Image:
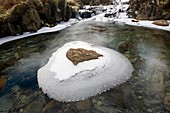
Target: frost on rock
{"x":63,"y":80}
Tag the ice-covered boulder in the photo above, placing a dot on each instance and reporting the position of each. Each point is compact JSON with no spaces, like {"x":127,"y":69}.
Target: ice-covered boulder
{"x":96,"y":70}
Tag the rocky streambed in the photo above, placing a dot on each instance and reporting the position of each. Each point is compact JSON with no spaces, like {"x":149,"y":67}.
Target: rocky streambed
{"x":147,"y":91}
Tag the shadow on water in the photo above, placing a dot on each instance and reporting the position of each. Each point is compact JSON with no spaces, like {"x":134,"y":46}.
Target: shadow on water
{"x":147,"y":90}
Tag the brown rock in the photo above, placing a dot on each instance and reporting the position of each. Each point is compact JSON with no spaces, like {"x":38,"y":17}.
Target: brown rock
{"x":80,"y":55}
{"x":3,"y":82}
{"x":161,"y":22}
{"x":51,"y":107}
{"x":83,"y":104}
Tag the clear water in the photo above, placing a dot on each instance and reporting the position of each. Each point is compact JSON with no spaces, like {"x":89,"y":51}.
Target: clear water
{"x":148,"y":90}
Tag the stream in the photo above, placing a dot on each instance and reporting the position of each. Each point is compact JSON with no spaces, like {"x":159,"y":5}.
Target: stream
{"x":147,"y":91}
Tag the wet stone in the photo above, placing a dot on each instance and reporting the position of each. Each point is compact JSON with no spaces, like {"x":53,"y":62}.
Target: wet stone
{"x":157,"y":81}
{"x":80,"y":55}
{"x":84,"y":112}
{"x":167,"y":101}
{"x":8,"y":102}
{"x":36,"y":106}
{"x":52,"y":106}
{"x":3,"y":82}
{"x":99,"y":103}
{"x":167,"y":85}
{"x":83,"y":104}
{"x":110,"y":109}
{"x":149,"y":110}
{"x":24,"y":99}
{"x":140,"y":97}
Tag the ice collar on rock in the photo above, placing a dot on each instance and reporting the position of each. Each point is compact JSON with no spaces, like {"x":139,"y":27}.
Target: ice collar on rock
{"x":64,"y":80}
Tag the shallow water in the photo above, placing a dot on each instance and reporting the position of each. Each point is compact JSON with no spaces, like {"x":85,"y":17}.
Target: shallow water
{"x":148,"y":90}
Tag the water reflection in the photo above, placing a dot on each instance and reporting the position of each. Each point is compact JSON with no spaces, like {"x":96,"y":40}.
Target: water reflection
{"x":147,"y":91}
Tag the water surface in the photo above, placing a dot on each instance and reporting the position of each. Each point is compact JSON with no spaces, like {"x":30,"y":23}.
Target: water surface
{"x":148,"y":90}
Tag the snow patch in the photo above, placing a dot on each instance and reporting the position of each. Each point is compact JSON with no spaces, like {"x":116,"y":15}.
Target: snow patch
{"x":64,"y":81}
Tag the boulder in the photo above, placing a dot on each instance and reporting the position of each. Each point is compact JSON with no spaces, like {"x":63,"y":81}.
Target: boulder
{"x":31,"y":20}
{"x":149,"y":10}
{"x":161,"y":22}
{"x":9,"y":29}
{"x":53,"y":12}
{"x":80,"y":55}
{"x":21,"y":16}
{"x":71,"y":9}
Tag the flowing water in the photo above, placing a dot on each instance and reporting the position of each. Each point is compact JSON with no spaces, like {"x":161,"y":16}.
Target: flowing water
{"x":148,"y":90}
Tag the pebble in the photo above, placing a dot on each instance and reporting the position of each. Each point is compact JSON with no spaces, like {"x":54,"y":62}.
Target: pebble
{"x":83,"y":104}
{"x":99,"y":103}
{"x":140,"y":97}
{"x":94,"y":101}
{"x":149,"y":110}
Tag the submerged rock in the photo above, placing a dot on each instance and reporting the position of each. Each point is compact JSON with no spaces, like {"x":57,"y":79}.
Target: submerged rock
{"x":167,"y":101}
{"x":52,"y":106}
{"x":64,"y":81}
{"x":83,"y":104}
{"x":3,"y":82}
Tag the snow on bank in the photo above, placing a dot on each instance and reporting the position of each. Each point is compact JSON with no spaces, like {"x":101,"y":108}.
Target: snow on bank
{"x":123,"y":18}
{"x":40,"y":31}
{"x":144,"y":23}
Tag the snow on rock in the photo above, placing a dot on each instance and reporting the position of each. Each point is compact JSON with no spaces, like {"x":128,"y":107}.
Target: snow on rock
{"x":58,"y":27}
{"x":62,"y":80}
